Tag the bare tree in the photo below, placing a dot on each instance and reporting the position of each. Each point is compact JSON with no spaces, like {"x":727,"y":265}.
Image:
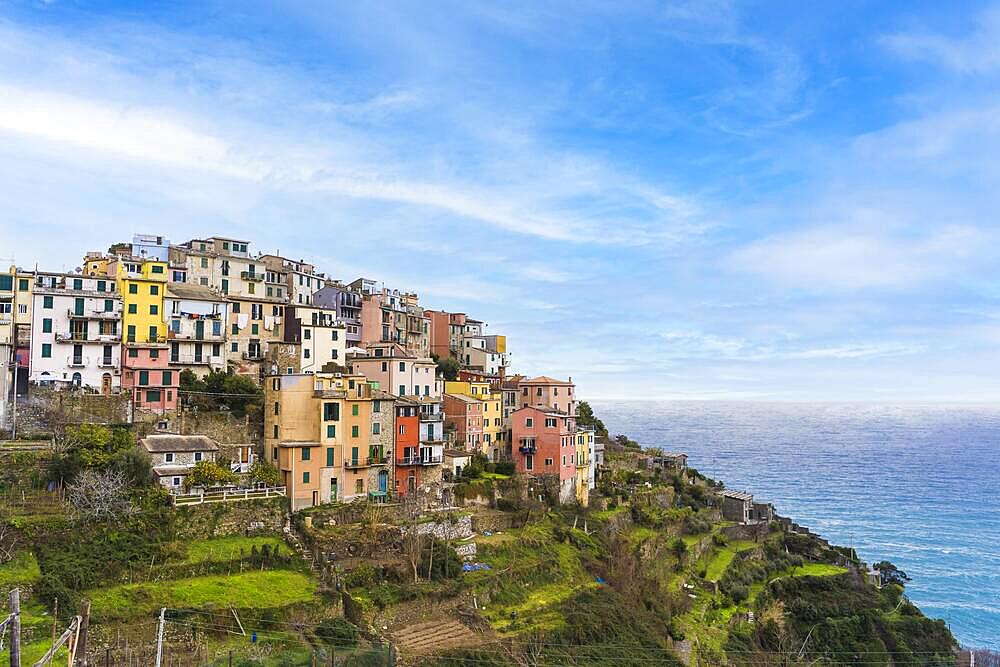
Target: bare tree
{"x":8,"y":544}
{"x":412,"y":539}
{"x":987,"y":658}
{"x":101,"y":495}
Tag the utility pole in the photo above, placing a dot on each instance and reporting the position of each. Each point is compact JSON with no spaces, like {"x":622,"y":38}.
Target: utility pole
{"x":13,"y":423}
{"x":15,"y":628}
{"x":159,"y":637}
{"x":81,"y":642}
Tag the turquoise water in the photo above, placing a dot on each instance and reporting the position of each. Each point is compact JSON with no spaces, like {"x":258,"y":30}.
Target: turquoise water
{"x":915,"y":484}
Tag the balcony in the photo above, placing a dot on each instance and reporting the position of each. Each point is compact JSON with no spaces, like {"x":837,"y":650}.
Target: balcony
{"x":193,"y":336}
{"x":191,"y":359}
{"x":431,"y":460}
{"x":528,"y":448}
{"x":408,"y":461}
{"x":106,"y":363}
{"x":435,"y":417}
{"x":247,"y":275}
{"x":253,"y":356}
{"x":364,"y":462}
{"x":77,"y":362}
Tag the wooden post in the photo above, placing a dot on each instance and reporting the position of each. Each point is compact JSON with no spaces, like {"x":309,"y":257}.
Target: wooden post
{"x":15,"y":628}
{"x":81,"y":643}
{"x":159,"y":637}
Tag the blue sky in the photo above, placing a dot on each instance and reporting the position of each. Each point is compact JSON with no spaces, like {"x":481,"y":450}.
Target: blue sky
{"x":697,"y":200}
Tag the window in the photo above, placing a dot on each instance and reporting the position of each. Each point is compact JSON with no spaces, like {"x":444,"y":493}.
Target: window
{"x":143,"y":377}
{"x":376,"y":406}
{"x":176,"y":481}
{"x":333,"y":335}
{"x":133,"y":288}
{"x":102,"y":286}
{"x":47,"y":302}
{"x":197,"y":457}
{"x":529,"y":462}
{"x":109,"y":305}
{"x":354,"y":410}
{"x":307,"y":334}
{"x":329,"y":456}
{"x":153,"y":333}
{"x":331,"y":412}
{"x":402,"y":365}
{"x":254,"y":329}
{"x":385,"y":366}
{"x":359,"y":485}
{"x":376,"y":428}
{"x":77,"y":283}
{"x":22,"y":285}
{"x":529,"y":422}
{"x":234,"y":347}
{"x":168,"y":458}
{"x":168,"y":378}
{"x":225,"y":286}
{"x":204,"y":262}
{"x":133,"y":353}
{"x":154,"y":309}
{"x":305,"y":353}
{"x":331,"y":430}
{"x":305,"y":454}
{"x":275,"y":431}
{"x":355,"y":432}
{"x":156,"y":268}
{"x":548,"y":462}
{"x":46,"y":350}
{"x":550,"y":423}
{"x":251,"y":288}
{"x":236,"y":329}
{"x":305,"y":477}
{"x":236,"y":306}
{"x":153,"y":396}
{"x":47,"y":325}
{"x":402,"y":429}
{"x":402,"y":390}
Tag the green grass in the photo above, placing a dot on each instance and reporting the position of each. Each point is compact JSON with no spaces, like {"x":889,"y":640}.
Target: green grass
{"x":20,"y":571}
{"x":219,"y":549}
{"x":817,"y":570}
{"x":257,"y":590}
{"x":495,"y":475}
{"x":724,"y":556}
{"x":36,"y":634}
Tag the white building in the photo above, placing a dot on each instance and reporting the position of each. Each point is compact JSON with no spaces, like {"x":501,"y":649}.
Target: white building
{"x":196,"y":319}
{"x":321,"y":338}
{"x":76,"y":332}
{"x":173,"y":456}
{"x":484,"y":353}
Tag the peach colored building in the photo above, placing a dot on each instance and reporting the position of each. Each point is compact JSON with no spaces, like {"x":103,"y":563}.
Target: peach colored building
{"x":464,"y":417}
{"x":546,"y":392}
{"x":543,"y":443}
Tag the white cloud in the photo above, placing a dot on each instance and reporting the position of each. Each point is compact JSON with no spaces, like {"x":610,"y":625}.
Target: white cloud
{"x":850,"y":258}
{"x":977,"y":52}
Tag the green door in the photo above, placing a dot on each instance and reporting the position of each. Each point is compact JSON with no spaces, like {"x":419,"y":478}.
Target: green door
{"x":199,"y":330}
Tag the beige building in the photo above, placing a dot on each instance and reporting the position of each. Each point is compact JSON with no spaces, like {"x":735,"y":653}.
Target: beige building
{"x":398,"y":370}
{"x":324,"y":431}
{"x":173,"y":456}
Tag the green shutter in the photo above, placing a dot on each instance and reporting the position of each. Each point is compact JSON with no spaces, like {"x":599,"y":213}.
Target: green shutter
{"x":331,"y":430}
{"x":47,"y":325}
{"x":167,"y":378}
{"x":354,"y":432}
{"x":47,"y":302}
{"x":46,"y":350}
{"x":143,"y":378}
{"x":329,"y":456}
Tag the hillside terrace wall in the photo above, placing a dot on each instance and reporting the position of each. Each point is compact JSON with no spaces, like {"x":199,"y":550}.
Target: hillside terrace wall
{"x":247,"y":517}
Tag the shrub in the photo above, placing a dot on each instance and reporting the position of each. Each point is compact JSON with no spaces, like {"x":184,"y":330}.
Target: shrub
{"x":362,"y":575}
{"x":337,"y":632}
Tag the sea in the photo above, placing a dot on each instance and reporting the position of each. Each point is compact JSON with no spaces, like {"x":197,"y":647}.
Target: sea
{"x":918,"y":485}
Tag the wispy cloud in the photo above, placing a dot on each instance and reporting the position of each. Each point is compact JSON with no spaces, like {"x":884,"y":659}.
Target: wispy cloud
{"x":976,"y":52}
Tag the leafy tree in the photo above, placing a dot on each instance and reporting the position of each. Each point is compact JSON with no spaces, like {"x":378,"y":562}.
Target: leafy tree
{"x":209,"y":473}
{"x":337,"y":632}
{"x":679,"y":548}
{"x":136,"y":464}
{"x":890,"y":573}
{"x":262,"y":472}
{"x":448,"y":367}
{"x":585,"y":417}
{"x":220,"y":389}
{"x":92,"y":446}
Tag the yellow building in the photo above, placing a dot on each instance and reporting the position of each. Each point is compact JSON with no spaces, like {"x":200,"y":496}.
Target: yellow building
{"x":494,"y":433}
{"x":583,"y":458}
{"x":142,"y":284}
{"x":320,"y":432}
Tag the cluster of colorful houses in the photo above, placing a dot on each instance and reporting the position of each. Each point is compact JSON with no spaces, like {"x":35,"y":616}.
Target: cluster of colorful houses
{"x":354,"y":404}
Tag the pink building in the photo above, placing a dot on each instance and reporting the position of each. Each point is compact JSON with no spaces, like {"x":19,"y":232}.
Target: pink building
{"x":545,"y":392}
{"x":464,"y":415}
{"x":542,"y":444}
{"x":145,"y":373}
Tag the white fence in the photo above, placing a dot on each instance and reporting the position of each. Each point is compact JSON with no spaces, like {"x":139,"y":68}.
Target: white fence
{"x":229,"y":495}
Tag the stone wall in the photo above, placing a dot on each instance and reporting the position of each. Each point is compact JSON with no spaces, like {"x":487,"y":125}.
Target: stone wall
{"x":246,"y":517}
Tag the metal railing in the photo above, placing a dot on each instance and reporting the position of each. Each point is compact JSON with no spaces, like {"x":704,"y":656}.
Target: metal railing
{"x":74,"y":361}
{"x":246,"y":275}
{"x":82,"y":337}
{"x":228,"y":496}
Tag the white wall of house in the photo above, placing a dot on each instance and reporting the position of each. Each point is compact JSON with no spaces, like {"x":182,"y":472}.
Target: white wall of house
{"x":56,"y":359}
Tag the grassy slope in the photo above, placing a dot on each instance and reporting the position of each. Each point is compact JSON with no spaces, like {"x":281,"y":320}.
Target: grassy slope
{"x":219,"y":549}
{"x":257,"y":590}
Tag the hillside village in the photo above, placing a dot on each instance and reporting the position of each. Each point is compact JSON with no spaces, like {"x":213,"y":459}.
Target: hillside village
{"x":221,"y":458}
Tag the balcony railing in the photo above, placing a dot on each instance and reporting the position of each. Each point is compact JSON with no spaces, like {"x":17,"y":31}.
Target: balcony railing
{"x":77,"y":362}
{"x":106,"y":363}
{"x":431,"y":460}
{"x":81,"y":337}
{"x":253,"y":356}
{"x":365,"y":462}
{"x":408,"y":461}
{"x":191,"y":359}
{"x":528,"y":449}
{"x":436,"y":417}
{"x":95,"y":314}
{"x":191,"y":335}
{"x":246,"y":275}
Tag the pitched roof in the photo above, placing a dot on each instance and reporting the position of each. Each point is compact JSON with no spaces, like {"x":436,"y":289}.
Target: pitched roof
{"x":194,"y":292}
{"x":155,"y":444}
{"x":544,"y":379}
